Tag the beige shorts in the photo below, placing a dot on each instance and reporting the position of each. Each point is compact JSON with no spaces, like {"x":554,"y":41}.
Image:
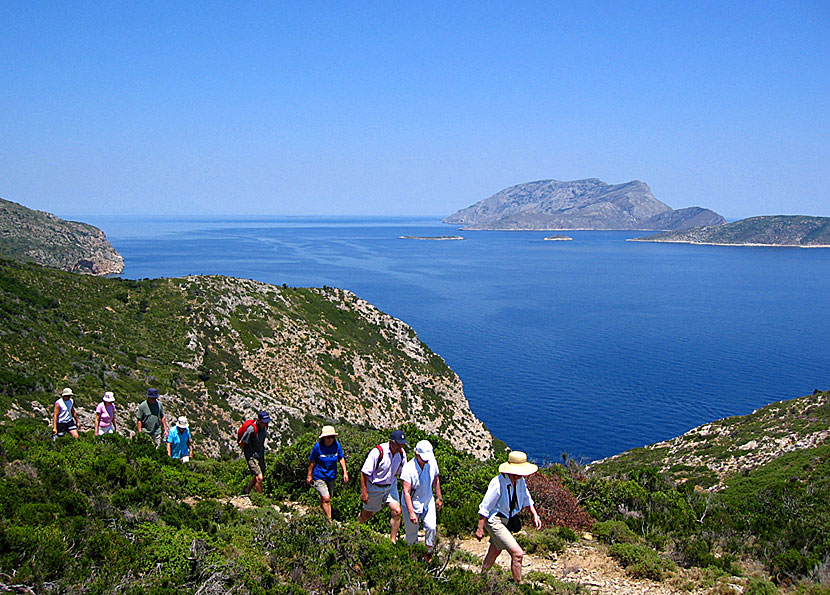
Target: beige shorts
{"x":323,"y":487}
{"x":380,"y":495}
{"x":499,"y":535}
{"x":256,"y":466}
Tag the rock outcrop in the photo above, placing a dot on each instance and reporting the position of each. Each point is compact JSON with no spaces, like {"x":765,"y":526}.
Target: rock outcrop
{"x":582,"y":204}
{"x":42,"y":238}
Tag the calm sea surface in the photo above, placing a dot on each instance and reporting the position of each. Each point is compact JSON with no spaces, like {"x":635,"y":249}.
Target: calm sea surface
{"x":589,"y":347}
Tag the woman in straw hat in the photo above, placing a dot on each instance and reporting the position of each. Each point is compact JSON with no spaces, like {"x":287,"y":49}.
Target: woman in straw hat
{"x":322,"y":467}
{"x":506,"y":496}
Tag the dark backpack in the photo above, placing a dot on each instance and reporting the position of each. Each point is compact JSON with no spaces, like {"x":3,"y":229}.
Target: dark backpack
{"x":244,"y":428}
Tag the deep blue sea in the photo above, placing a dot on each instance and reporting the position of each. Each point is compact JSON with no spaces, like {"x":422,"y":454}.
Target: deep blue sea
{"x":589,"y":347}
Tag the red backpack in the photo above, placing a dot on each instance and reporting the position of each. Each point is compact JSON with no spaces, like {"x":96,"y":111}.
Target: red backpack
{"x":244,"y":428}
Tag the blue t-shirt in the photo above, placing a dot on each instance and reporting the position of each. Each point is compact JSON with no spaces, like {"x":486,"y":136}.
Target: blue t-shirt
{"x":325,"y":460}
{"x":178,"y":442}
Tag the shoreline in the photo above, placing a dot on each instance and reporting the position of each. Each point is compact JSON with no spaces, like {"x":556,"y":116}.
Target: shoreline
{"x":724,"y":244}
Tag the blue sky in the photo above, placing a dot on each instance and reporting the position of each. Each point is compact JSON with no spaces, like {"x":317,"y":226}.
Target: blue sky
{"x":364,"y":108}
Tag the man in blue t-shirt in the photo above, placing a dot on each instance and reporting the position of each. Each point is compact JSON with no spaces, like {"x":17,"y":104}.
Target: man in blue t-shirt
{"x":322,"y":467}
{"x":178,"y":441}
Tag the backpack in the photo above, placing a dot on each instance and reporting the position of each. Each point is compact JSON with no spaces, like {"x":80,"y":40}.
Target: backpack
{"x":244,"y":428}
{"x":380,"y":456}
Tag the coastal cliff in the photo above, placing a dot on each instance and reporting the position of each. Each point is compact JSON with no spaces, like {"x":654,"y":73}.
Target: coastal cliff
{"x":582,"y":204}
{"x":33,"y":236}
{"x":219,"y":349}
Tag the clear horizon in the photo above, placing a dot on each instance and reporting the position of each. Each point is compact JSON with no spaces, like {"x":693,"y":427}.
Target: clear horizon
{"x":345,"y":110}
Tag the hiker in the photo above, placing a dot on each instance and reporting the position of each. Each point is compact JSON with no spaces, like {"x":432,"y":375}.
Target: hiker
{"x":251,"y":437}
{"x":499,"y":511}
{"x":379,"y":481}
{"x":322,"y":467}
{"x":64,"y":416}
{"x":151,"y":418}
{"x":421,"y":496}
{"x":179,"y":445}
{"x":105,"y":415}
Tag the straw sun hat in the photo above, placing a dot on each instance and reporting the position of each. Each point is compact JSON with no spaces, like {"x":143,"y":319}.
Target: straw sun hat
{"x":327,"y":431}
{"x":517,"y":464}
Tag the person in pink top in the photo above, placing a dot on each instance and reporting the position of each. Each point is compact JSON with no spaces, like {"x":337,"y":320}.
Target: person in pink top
{"x":105,"y":415}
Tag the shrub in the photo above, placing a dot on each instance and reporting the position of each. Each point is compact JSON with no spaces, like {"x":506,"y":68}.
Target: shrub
{"x":641,"y":561}
{"x":538,"y":542}
{"x":760,"y":587}
{"x":614,"y":532}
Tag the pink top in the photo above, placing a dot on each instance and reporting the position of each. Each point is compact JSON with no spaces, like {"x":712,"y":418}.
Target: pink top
{"x":107,"y":412}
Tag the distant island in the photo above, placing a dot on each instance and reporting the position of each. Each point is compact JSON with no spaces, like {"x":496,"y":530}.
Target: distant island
{"x":558,"y":238}
{"x":42,"y":238}
{"x":773,"y":230}
{"x":435,"y":238}
{"x":582,"y":204}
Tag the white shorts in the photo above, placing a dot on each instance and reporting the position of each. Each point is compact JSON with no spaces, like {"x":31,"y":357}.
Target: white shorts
{"x":106,"y":430}
{"x":380,"y":495}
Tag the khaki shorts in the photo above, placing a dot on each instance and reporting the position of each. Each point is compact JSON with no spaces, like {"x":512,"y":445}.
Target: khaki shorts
{"x":380,"y":495}
{"x":256,"y":466}
{"x":499,"y":535}
{"x":323,"y":487}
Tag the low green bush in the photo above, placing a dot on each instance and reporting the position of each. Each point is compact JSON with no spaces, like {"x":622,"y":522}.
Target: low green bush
{"x":539,"y":542}
{"x":760,"y":587}
{"x":614,"y":532}
{"x":641,"y":561}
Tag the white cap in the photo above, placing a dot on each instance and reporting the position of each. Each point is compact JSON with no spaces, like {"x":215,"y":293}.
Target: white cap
{"x":424,"y":448}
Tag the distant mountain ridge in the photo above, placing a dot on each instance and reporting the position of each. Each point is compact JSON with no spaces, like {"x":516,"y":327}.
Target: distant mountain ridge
{"x":38,"y":237}
{"x":771,"y":230}
{"x":580,"y":204}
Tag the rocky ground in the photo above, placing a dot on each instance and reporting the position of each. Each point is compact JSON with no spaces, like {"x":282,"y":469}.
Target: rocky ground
{"x":584,"y":564}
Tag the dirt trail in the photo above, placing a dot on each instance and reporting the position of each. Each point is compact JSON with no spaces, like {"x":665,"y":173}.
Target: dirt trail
{"x":582,"y":563}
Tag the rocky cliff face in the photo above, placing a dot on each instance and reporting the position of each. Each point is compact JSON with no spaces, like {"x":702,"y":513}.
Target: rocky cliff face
{"x":43,"y":238}
{"x":775,"y":230}
{"x":581,"y":204}
{"x":308,"y":365}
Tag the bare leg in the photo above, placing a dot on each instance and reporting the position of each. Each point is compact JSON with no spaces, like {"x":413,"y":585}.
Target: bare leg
{"x":325,"y":504}
{"x":490,"y":557}
{"x":395,"y":509}
{"x":364,"y":516}
{"x":516,"y":555}
{"x":74,"y":434}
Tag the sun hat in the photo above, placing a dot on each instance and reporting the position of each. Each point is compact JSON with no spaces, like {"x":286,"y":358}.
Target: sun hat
{"x":109,"y":397}
{"x":424,"y":448}
{"x":397,"y":436}
{"x":67,"y":392}
{"x":517,"y":464}
{"x":153,"y":393}
{"x":264,"y":417}
{"x":182,"y":422}
{"x":327,"y":431}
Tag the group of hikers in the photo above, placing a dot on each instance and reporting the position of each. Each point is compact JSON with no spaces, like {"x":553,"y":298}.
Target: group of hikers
{"x":498,"y":514}
{"x":150,"y":420}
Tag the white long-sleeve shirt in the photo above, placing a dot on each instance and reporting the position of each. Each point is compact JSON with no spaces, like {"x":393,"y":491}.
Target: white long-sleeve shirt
{"x":498,"y":496}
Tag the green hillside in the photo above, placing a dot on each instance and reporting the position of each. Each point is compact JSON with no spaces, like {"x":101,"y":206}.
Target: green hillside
{"x":219,"y":349}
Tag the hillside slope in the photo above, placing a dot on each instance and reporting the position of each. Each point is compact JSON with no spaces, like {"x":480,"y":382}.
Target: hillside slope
{"x":219,"y":349}
{"x":774,"y":230}
{"x":42,"y":238}
{"x":711,"y":454}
